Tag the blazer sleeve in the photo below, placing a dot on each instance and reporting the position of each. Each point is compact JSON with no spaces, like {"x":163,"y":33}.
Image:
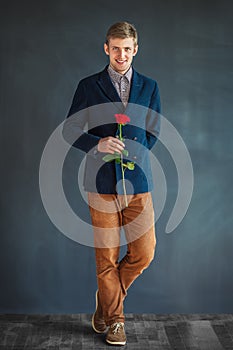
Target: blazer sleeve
{"x":153,"y":118}
{"x":77,"y":118}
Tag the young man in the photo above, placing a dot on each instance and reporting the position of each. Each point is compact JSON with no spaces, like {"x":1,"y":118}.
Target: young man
{"x":117,"y":89}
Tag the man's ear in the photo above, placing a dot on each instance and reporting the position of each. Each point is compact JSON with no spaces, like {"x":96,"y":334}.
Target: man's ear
{"x":106,"y":49}
{"x":135,"y":50}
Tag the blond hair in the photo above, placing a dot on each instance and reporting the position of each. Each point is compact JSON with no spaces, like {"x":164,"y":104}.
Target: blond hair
{"x":122,"y":30}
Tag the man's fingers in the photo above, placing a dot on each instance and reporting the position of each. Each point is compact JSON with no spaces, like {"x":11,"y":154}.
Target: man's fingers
{"x":110,"y":145}
{"x":117,"y":146}
{"x":118,"y":142}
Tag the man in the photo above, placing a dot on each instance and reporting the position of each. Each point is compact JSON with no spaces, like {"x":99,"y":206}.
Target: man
{"x":118,"y":197}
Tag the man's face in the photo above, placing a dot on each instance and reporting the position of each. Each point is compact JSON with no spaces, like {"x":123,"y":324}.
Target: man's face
{"x":121,"y":53}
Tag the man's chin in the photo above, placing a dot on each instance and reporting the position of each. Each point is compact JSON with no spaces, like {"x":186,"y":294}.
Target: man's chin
{"x":122,"y":68}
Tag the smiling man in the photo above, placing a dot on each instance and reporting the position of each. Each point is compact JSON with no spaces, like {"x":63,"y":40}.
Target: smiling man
{"x":117,"y":88}
{"x":121,"y":52}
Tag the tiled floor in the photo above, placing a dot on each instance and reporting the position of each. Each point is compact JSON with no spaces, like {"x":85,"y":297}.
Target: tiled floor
{"x":147,"y":331}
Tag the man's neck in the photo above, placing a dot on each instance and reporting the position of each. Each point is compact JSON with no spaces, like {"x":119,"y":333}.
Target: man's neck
{"x":120,"y":72}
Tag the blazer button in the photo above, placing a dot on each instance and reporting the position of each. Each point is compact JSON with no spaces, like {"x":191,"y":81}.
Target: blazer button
{"x":134,"y":157}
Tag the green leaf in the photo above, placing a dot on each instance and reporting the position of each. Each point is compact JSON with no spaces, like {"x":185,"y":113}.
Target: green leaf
{"x":110,"y":157}
{"x":130,"y":165}
{"x":118,"y":160}
{"x":125,"y":152}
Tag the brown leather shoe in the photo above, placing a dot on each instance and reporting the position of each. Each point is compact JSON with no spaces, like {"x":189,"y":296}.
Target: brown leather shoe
{"x":98,"y":323}
{"x":116,"y":334}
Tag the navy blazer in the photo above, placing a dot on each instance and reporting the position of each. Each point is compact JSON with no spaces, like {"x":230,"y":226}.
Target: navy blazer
{"x":94,"y":104}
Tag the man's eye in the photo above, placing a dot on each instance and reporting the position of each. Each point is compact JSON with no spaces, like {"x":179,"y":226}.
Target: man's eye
{"x":128,"y":49}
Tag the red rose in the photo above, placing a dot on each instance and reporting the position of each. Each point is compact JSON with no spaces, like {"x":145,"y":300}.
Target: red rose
{"x":122,"y":118}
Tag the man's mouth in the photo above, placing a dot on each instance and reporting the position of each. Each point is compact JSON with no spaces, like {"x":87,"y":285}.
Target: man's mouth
{"x":121,"y":61}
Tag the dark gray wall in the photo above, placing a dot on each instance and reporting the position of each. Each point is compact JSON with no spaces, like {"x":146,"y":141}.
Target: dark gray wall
{"x":46,"y":47}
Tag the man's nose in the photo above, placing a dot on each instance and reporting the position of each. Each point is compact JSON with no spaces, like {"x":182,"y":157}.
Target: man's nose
{"x":121,"y":53}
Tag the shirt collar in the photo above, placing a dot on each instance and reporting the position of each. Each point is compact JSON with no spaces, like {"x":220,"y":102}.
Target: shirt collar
{"x":115,"y":76}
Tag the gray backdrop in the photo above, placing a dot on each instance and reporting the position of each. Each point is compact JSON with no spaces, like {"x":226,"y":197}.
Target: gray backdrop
{"x":46,"y":47}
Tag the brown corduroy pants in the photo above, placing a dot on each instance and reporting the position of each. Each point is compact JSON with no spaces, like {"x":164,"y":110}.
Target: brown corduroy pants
{"x":109,"y":214}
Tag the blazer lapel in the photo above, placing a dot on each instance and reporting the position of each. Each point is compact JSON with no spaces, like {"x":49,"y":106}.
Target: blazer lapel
{"x":108,"y":89}
{"x":135,"y":92}
{"x":136,"y":85}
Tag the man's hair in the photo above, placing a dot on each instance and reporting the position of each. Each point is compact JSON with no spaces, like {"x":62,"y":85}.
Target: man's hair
{"x":122,"y":30}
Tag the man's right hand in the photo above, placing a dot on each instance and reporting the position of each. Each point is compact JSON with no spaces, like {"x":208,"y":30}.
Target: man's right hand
{"x":110,"y":145}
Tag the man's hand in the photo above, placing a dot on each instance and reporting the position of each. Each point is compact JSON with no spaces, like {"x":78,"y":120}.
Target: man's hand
{"x":110,"y":145}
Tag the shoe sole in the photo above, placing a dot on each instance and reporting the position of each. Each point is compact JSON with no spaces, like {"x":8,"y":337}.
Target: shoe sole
{"x":116,"y":342}
{"x":92,"y":320}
